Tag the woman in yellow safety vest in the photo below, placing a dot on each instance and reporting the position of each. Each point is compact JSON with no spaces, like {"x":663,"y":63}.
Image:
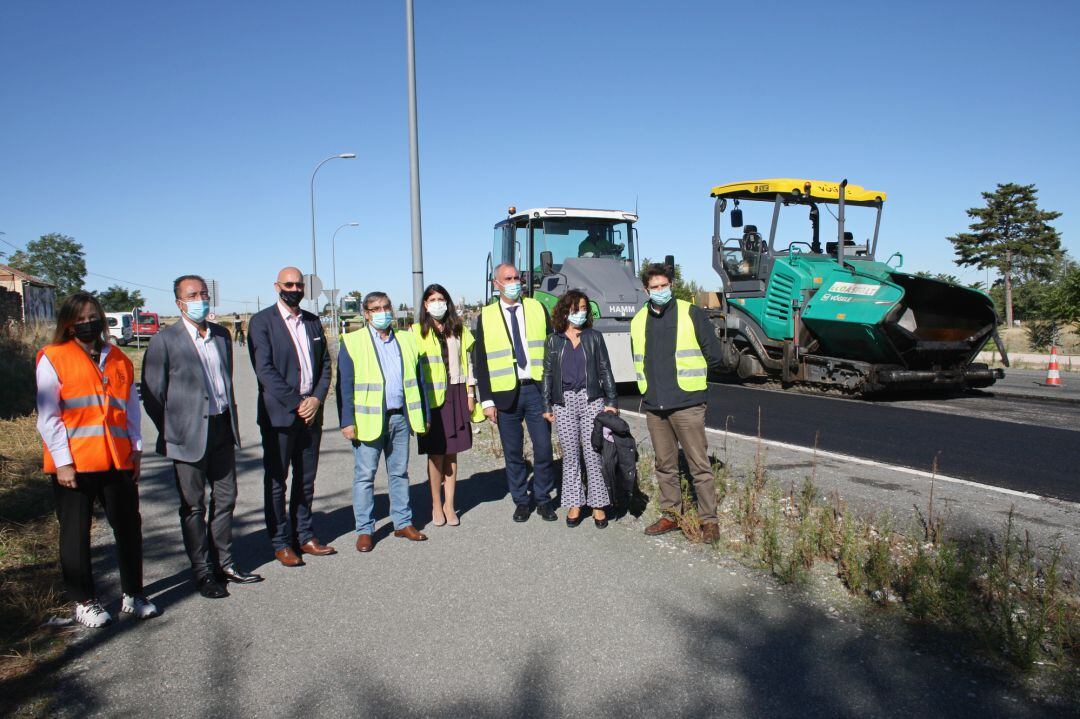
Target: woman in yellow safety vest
{"x":88,"y":419}
{"x":446,"y":362}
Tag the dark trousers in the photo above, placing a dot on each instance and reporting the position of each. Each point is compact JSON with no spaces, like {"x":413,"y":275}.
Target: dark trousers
{"x":284,"y":447}
{"x":119,"y":495}
{"x":527,"y":408}
{"x":217,"y":469}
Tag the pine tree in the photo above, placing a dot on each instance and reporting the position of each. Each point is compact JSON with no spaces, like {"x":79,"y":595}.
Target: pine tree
{"x":1011,"y":235}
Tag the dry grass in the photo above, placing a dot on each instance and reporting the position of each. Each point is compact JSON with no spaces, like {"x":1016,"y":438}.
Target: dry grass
{"x":30,"y":590}
{"x":1000,"y":594}
{"x":1016,"y":340}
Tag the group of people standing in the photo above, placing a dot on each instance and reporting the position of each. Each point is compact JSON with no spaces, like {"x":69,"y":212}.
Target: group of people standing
{"x":521,"y":369}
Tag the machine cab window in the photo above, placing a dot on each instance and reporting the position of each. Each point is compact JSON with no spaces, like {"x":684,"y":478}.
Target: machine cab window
{"x":742,"y":255}
{"x":576,"y":237}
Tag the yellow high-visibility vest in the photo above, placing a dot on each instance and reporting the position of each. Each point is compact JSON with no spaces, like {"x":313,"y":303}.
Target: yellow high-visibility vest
{"x":691,"y":369}
{"x":434,"y":369}
{"x":499,"y":351}
{"x":369,"y":402}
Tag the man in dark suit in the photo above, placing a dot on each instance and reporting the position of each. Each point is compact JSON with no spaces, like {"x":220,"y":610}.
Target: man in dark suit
{"x":508,"y":360}
{"x":288,"y":350}
{"x":187,"y":390}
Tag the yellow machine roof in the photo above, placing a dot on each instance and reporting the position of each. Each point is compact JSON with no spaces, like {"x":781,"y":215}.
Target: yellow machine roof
{"x":817,"y":189}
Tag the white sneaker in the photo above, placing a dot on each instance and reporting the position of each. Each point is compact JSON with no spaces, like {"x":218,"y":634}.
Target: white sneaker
{"x":140,"y":606}
{"x":92,"y":614}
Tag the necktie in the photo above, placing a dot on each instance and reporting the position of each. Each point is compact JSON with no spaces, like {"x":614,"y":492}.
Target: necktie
{"x":519,"y":348}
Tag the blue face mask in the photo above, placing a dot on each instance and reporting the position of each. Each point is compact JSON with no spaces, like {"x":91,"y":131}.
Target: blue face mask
{"x":577,"y":319}
{"x":512,"y":290}
{"x":381,"y":320}
{"x":660,"y":297}
{"x":196,"y":310}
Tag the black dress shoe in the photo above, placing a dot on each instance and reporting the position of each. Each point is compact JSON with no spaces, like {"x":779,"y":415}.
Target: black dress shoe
{"x":575,"y":521}
{"x":521,"y":513}
{"x":232,"y":574}
{"x":600,"y":523}
{"x":546,"y":512}
{"x":209,"y":588}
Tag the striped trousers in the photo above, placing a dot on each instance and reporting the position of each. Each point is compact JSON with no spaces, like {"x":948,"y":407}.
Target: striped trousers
{"x":574,"y":425}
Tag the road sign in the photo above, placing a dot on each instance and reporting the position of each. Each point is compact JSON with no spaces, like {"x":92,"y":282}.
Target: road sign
{"x":212,"y":288}
{"x":211,"y":317}
{"x":312,"y":287}
{"x":331,"y":295}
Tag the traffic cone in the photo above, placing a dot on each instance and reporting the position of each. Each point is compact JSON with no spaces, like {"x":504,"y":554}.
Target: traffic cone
{"x":1053,"y":376}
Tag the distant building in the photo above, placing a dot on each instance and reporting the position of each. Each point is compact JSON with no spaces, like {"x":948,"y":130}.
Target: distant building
{"x":36,"y":299}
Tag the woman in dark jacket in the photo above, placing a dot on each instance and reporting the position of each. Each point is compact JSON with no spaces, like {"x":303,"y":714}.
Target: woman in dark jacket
{"x":578,"y":386}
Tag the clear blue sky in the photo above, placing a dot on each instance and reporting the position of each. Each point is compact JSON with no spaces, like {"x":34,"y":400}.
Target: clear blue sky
{"x":179,"y":137}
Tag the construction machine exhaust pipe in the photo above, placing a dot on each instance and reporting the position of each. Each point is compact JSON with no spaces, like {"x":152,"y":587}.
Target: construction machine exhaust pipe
{"x":840,"y":224}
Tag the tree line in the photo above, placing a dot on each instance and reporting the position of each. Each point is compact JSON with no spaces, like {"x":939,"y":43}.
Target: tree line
{"x":59,"y":259}
{"x":1010,"y":234}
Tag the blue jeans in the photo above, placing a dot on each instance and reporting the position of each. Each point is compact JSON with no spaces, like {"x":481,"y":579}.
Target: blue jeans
{"x":394,"y":443}
{"x":528,"y":408}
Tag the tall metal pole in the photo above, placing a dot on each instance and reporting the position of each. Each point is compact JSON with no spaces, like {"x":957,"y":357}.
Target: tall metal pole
{"x":414,"y":166}
{"x":314,"y":259}
{"x":333,"y":266}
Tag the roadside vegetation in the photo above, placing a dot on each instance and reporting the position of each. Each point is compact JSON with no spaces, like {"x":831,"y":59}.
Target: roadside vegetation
{"x":997,"y":596}
{"x":30,"y":588}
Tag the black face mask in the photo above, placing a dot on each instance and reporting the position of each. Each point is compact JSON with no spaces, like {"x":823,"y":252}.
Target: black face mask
{"x":291,"y":298}
{"x":89,"y":331}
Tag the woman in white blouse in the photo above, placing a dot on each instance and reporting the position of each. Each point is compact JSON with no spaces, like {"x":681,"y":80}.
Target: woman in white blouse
{"x":446,"y":361}
{"x":88,"y":418}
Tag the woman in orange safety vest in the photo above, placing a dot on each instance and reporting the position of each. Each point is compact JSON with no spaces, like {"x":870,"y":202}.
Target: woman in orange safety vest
{"x":89,"y":417}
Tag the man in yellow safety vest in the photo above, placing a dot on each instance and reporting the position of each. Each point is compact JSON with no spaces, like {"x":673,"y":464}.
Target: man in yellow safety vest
{"x":509,"y":364}
{"x":674,"y":346}
{"x":380,"y":401}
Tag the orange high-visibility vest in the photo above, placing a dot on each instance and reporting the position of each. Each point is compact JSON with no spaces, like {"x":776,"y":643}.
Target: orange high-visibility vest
{"x":93,"y":407}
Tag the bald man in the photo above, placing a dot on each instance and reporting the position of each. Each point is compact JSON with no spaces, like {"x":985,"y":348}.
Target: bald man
{"x":292,"y":364}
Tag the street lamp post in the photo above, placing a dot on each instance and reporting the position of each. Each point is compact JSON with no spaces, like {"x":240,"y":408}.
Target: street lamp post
{"x":414,"y":165}
{"x":333,"y":266}
{"x":314,"y":259}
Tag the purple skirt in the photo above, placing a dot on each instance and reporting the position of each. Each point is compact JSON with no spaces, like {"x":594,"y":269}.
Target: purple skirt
{"x":451,"y":430}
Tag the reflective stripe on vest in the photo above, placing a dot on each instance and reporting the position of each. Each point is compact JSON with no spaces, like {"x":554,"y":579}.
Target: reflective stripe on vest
{"x":432,"y":365}
{"x":93,"y":407}
{"x":369,"y":409}
{"x":691,"y":369}
{"x":498,"y":347}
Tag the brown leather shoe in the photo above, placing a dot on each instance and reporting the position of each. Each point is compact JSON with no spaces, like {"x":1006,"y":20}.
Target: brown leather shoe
{"x":710,"y":532}
{"x":288,"y":557}
{"x":364,"y":543}
{"x":410,"y":532}
{"x":313,"y":546}
{"x":661,"y":526}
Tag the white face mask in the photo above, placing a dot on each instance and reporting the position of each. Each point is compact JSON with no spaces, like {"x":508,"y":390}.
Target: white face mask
{"x":437,"y":309}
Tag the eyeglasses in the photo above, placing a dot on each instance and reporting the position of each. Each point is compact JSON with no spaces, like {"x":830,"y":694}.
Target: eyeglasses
{"x":292,"y":285}
{"x":380,"y":308}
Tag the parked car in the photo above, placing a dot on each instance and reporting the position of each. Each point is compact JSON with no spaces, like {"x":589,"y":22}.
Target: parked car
{"x":120,"y":327}
{"x":147,"y":323}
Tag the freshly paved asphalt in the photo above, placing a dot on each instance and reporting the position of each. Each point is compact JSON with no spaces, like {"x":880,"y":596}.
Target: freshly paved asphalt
{"x":979,"y":439}
{"x":489,"y":619}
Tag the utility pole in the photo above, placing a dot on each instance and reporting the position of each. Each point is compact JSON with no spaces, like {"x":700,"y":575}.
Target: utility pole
{"x":414,"y":167}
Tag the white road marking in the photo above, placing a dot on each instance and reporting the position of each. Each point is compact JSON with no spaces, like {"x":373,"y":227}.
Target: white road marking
{"x":883,"y":465}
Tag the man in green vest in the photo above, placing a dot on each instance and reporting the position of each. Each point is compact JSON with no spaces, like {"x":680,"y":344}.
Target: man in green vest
{"x":380,"y":401}
{"x":508,"y":361}
{"x":674,"y":346}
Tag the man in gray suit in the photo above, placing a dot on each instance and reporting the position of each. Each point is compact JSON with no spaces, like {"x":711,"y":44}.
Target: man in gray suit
{"x":188,"y":394}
